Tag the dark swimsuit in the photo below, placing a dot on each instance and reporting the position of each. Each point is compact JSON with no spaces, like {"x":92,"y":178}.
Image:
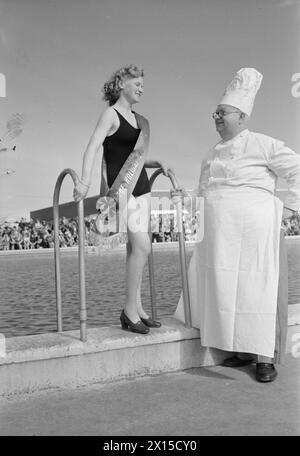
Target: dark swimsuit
{"x":116,"y":148}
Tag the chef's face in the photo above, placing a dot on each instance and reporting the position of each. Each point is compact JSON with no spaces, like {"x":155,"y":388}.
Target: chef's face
{"x":228,"y":120}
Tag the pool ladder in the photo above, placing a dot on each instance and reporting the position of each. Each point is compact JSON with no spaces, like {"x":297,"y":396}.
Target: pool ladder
{"x":81,"y":252}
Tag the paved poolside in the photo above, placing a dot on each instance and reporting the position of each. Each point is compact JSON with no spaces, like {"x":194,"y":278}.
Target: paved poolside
{"x":201,"y":401}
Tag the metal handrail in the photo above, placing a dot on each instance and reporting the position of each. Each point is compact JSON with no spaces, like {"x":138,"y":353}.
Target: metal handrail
{"x":184,"y":275}
{"x":81,"y":244}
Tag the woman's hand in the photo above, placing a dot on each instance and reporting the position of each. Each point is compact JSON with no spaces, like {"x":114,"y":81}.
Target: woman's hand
{"x":80,"y":191}
{"x":165,"y":169}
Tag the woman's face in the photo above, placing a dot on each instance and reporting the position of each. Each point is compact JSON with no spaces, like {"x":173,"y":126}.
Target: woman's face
{"x":132,"y":89}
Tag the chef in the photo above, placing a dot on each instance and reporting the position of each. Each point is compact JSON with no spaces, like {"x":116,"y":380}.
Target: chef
{"x":238,"y":298}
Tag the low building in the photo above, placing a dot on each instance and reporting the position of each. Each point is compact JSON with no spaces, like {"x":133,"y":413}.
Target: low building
{"x":160,"y":201}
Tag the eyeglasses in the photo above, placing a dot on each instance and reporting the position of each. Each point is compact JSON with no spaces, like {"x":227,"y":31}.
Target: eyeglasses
{"x":220,"y":114}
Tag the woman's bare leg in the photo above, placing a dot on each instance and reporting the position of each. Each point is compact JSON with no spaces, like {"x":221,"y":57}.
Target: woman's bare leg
{"x":138,"y":249}
{"x":139,"y":305}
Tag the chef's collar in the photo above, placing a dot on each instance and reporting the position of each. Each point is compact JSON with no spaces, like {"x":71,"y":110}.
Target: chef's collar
{"x":240,"y":135}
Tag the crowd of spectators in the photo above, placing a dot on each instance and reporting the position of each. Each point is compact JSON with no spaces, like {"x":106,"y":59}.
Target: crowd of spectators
{"x":291,"y":225}
{"x":25,"y":235}
{"x":164,"y":227}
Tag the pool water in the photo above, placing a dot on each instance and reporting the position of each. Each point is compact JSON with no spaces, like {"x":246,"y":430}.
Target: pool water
{"x":28,"y":306}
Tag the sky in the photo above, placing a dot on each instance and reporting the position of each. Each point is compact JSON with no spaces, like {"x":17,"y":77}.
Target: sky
{"x":57,"y":54}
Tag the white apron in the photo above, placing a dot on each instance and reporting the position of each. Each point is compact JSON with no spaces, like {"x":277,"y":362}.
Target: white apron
{"x":233,"y":273}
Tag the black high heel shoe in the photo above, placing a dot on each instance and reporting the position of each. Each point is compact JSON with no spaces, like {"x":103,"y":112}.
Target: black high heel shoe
{"x":151,"y":323}
{"x":138,"y":327}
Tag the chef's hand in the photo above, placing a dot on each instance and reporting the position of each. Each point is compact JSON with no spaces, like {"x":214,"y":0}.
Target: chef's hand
{"x":178,"y":195}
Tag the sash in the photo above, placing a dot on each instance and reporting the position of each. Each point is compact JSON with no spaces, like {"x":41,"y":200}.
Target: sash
{"x":107,"y":222}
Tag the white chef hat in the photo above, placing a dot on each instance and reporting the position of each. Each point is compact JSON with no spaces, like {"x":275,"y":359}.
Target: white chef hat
{"x":241,"y":92}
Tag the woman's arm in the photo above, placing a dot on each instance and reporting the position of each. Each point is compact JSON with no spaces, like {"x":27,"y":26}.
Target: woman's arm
{"x":152,"y":164}
{"x":103,"y":127}
{"x":158,"y":164}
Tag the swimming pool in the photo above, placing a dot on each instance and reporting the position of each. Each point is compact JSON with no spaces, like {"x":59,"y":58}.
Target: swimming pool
{"x":28,"y":306}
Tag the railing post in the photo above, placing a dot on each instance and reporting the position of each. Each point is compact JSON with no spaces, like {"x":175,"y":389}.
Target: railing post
{"x":184,"y":273}
{"x":81,"y":247}
{"x":57,"y":254}
{"x":151,"y":278}
{"x":81,"y":252}
{"x":182,"y":252}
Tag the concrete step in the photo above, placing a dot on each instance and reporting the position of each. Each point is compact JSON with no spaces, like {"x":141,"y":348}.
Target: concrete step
{"x":61,"y":360}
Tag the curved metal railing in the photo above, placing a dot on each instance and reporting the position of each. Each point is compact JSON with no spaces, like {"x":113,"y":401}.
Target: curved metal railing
{"x":184,"y":276}
{"x":81,"y":244}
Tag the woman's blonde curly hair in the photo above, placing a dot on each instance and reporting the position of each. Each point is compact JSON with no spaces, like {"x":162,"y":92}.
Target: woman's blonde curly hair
{"x":111,"y":89}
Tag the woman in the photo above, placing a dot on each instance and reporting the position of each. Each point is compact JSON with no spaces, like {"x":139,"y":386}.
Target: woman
{"x":118,"y":130}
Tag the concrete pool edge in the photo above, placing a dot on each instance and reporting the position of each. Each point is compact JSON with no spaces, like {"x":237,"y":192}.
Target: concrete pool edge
{"x":96,"y":250}
{"x":61,"y":360}
{"x":90,"y":250}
